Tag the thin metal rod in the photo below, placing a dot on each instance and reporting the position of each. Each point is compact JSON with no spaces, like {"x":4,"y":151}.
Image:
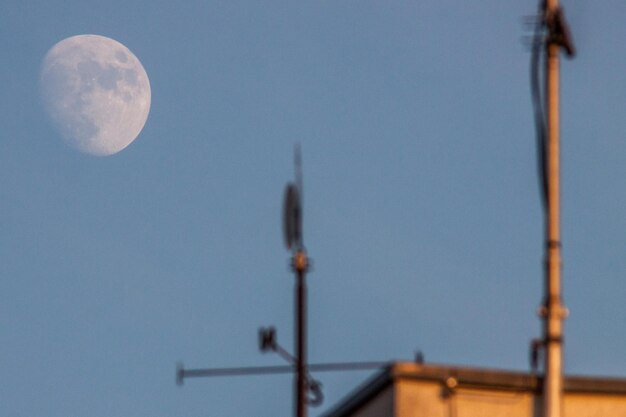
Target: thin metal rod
{"x":285,"y":355}
{"x":297,"y":157}
{"x":553,"y":309}
{"x":280,"y":369}
{"x":251,"y":370}
{"x":301,"y":386}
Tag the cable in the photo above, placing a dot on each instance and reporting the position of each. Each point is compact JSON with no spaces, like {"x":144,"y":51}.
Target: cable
{"x":537,"y":101}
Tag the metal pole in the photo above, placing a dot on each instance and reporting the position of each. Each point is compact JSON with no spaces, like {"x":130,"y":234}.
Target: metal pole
{"x":553,"y":310}
{"x":300,"y":267}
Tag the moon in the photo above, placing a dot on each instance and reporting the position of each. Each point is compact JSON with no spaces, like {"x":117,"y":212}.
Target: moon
{"x":96,"y":93}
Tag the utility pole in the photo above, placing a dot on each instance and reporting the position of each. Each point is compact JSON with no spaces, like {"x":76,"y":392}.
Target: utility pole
{"x":553,"y":310}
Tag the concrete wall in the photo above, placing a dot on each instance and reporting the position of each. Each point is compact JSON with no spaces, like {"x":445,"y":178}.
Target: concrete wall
{"x":410,"y":398}
{"x":415,"y":390}
{"x":596,"y":405}
{"x":432,"y":399}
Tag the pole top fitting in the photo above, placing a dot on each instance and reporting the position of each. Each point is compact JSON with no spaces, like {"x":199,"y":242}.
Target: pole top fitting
{"x":558,"y":31}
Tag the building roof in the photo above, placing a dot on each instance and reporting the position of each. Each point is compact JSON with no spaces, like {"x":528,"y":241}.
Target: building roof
{"x":467,"y":377}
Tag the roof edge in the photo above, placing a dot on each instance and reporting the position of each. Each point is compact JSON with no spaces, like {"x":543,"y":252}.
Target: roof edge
{"x":469,"y":377}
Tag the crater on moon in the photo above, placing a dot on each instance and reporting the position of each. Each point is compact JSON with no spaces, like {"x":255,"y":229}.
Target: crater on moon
{"x":96,"y":93}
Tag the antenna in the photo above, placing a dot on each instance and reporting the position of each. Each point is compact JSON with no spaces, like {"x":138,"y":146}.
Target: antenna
{"x":297,"y":159}
{"x":292,"y":207}
{"x":307,"y":391}
{"x":292,"y":217}
{"x":553,"y":312}
{"x":300,"y":265}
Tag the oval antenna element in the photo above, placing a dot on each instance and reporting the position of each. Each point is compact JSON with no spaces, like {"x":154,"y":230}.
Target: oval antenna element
{"x":292,"y":219}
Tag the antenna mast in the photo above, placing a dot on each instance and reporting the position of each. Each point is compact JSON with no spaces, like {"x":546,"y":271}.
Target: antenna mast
{"x":307,"y":391}
{"x":553,"y":311}
{"x":292,"y":218}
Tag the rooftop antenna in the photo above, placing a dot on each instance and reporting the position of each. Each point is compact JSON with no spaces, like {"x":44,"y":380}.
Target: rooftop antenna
{"x":292,"y":222}
{"x":292,"y":208}
{"x":551,"y":33}
{"x":307,"y":391}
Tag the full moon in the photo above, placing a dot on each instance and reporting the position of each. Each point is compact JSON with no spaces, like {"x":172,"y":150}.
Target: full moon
{"x":96,"y":93}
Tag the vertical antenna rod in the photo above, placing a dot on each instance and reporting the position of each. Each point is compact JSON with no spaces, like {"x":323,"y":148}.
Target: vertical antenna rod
{"x":297,"y":158}
{"x":553,"y":311}
{"x":293,"y":239}
{"x":300,"y":265}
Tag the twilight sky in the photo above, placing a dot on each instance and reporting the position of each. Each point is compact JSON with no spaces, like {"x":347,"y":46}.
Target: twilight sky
{"x":422,"y":210}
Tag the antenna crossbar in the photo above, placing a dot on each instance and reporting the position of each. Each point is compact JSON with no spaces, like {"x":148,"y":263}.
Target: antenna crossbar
{"x":182,"y":374}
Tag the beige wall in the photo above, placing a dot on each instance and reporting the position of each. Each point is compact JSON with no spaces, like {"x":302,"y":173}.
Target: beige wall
{"x":419,"y":390}
{"x":413,"y":398}
{"x":431,"y":399}
{"x":586,"y":405}
{"x":418,"y":398}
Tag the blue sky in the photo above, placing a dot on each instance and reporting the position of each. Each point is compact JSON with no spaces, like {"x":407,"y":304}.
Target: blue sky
{"x":422,"y":210}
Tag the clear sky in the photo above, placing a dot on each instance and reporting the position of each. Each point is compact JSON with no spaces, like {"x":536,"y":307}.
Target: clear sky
{"x":422,"y":210}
